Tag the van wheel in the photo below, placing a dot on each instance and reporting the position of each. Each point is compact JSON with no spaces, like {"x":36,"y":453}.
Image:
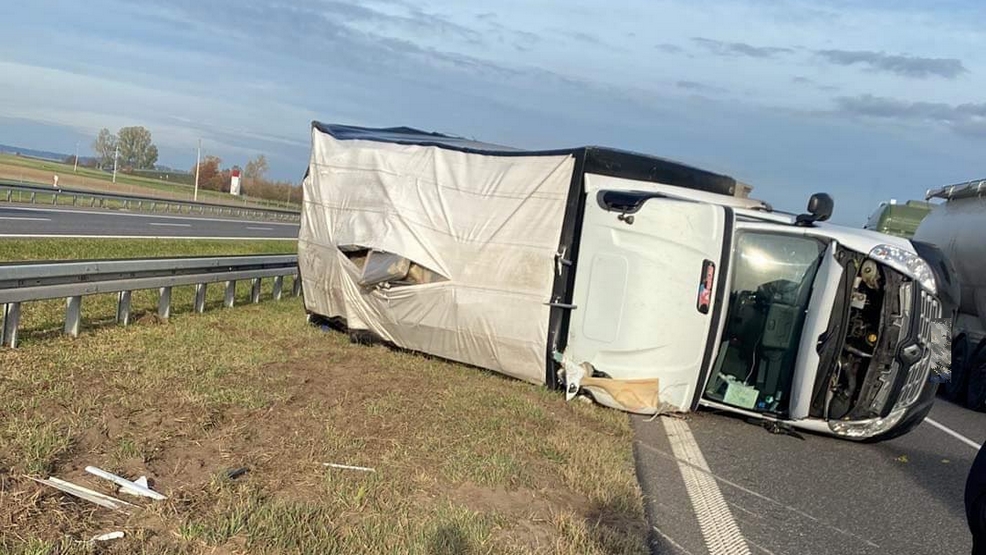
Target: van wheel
{"x":955,"y":388}
{"x":976,"y":395}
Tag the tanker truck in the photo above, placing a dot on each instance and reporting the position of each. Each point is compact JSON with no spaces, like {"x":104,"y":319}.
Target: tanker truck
{"x":958,"y":227}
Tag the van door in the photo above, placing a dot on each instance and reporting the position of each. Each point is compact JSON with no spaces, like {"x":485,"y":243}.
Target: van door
{"x":647,"y":299}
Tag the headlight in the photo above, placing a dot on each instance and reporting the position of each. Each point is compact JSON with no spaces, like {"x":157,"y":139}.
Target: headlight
{"x":907,"y":263}
{"x":863,"y":429}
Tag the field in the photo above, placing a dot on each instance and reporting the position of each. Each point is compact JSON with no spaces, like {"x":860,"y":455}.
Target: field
{"x":29,"y":170}
{"x":464,"y":461}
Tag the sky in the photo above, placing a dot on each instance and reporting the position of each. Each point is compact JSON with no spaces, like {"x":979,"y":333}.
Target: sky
{"x":864,"y":100}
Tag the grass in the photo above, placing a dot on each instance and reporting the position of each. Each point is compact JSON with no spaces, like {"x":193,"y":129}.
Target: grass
{"x":30,"y":170}
{"x":466,"y":461}
{"x":81,"y":249}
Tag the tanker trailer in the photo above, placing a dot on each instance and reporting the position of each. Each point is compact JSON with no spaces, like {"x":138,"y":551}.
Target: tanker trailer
{"x":958,"y":228}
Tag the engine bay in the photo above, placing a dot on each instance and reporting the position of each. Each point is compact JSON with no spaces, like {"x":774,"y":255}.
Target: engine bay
{"x":860,"y":380}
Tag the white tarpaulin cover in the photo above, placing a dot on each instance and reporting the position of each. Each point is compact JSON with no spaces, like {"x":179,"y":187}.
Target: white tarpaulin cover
{"x":489,"y":225}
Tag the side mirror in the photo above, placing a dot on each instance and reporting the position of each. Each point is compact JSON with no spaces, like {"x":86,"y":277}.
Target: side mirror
{"x":820,"y":207}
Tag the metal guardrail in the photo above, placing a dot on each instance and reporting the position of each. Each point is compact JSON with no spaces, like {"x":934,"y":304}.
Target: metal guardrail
{"x":35,"y":281}
{"x":29,"y":193}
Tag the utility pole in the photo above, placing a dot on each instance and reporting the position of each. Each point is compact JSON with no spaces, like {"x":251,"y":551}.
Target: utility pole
{"x":198,"y":160}
{"x":76,"y":168}
{"x":116,"y":156}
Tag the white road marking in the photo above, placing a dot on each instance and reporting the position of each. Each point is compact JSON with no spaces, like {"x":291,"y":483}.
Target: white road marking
{"x":168,"y":237}
{"x":25,"y":218}
{"x":750,"y":492}
{"x":170,"y":225}
{"x":260,"y":228}
{"x":954,"y":434}
{"x":131,"y":215}
{"x":719,"y":529}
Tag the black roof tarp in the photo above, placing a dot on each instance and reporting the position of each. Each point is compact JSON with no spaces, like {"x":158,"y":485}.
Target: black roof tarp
{"x":597,"y":160}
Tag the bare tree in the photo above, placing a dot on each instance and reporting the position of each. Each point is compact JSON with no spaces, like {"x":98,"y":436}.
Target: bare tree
{"x":256,"y":168}
{"x":104,"y":146}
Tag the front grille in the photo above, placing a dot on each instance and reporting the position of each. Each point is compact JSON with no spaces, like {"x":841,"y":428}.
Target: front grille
{"x":929,"y":311}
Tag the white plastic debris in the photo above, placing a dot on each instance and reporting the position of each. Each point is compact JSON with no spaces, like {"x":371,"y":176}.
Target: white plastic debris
{"x":347,"y":467}
{"x":86,"y":493}
{"x":133,"y":488}
{"x":107,"y":537}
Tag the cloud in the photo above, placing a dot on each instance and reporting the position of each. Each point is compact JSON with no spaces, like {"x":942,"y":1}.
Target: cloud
{"x":721,"y":48}
{"x":904,"y":65}
{"x":699,"y":87}
{"x":968,"y":118}
{"x":669,"y":48}
{"x":802,"y":80}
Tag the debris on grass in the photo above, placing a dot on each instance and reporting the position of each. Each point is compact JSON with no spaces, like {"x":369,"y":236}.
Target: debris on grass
{"x":235,"y":473}
{"x":347,"y":467}
{"x":86,"y":494}
{"x":107,"y":537}
{"x":138,"y":488}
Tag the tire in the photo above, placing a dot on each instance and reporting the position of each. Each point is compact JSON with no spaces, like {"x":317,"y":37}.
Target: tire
{"x":976,"y":375}
{"x":955,"y":388}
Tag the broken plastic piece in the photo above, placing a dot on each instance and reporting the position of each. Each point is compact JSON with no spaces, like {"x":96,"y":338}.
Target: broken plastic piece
{"x":133,"y":488}
{"x":86,"y":493}
{"x":107,"y":537}
{"x":235,"y":473}
{"x":347,"y":467}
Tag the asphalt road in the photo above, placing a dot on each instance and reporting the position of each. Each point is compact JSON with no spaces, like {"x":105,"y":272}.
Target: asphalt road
{"x":70,"y":222}
{"x":815,"y":495}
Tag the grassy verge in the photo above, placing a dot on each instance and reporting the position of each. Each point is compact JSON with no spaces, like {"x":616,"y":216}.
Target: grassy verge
{"x":41,"y":172}
{"x":78,"y":249}
{"x":465,"y":461}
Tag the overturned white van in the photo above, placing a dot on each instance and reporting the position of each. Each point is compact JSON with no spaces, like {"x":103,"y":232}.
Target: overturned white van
{"x":648,"y":284}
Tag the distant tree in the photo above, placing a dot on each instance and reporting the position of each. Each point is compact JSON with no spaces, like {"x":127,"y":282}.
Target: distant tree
{"x":104,"y":146}
{"x":137,"y":150}
{"x":256,"y":168}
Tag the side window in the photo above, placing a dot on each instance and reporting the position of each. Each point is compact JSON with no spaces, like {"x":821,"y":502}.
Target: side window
{"x":386,"y":269}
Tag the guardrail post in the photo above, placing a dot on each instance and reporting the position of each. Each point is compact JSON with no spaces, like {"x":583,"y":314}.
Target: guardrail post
{"x":73,"y":315}
{"x":92,"y":202}
{"x":230,"y":294}
{"x":10,"y":194}
{"x":278,"y":286}
{"x":11,"y":319}
{"x":33,"y":196}
{"x":102,"y":202}
{"x":164,"y":303}
{"x":255,"y":290}
{"x":153,"y":205}
{"x":54,"y":198}
{"x":140,"y":205}
{"x":123,"y":308}
{"x":200,"y":298}
{"x":296,"y":287}
{"x":75,"y":199}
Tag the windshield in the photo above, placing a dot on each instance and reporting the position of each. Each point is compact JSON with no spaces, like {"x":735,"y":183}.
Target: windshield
{"x":770,"y":290}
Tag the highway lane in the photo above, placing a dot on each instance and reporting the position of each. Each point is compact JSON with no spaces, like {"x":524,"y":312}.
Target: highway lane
{"x":70,"y":222}
{"x":815,"y":495}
